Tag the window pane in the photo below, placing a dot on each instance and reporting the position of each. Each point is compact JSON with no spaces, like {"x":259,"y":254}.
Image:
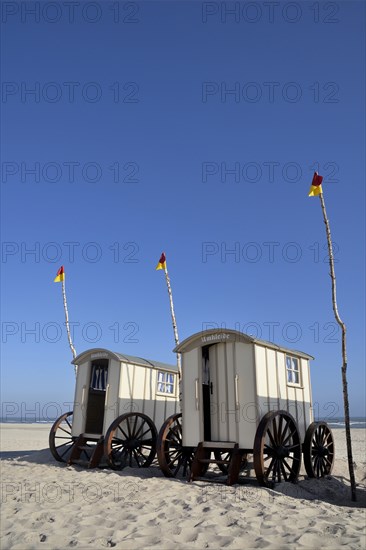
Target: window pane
{"x":296,"y":377}
{"x":295,"y":364}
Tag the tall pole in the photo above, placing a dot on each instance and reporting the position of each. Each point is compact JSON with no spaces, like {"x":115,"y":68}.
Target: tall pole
{"x":162,"y":265}
{"x":174,"y":322}
{"x":60,"y":278}
{"x":344,"y":350}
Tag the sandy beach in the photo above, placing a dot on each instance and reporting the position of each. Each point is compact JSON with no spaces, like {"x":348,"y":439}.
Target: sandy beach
{"x":50,"y":505}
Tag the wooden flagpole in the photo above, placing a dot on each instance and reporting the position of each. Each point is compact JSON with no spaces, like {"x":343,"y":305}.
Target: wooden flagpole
{"x":344,"y":350}
{"x":163,"y":265}
{"x":60,"y":277}
{"x":174,"y":322}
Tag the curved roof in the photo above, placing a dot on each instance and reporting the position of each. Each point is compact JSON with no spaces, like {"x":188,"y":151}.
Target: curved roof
{"x":214,"y":336}
{"x":100,"y":353}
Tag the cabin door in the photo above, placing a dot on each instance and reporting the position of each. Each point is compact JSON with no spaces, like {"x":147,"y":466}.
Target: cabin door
{"x":209,"y":393}
{"x":96,"y":397}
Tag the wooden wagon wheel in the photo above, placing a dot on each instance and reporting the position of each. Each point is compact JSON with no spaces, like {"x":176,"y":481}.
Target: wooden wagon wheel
{"x":226,"y":455}
{"x":61,"y":441}
{"x":131,"y":441}
{"x":174,"y":459}
{"x":277,"y":449}
{"x":318,"y":450}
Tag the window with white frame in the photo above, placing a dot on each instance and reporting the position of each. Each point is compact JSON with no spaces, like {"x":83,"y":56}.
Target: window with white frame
{"x":166,"y":381}
{"x":293,"y":370}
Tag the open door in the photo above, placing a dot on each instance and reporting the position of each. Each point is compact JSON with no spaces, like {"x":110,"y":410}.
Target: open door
{"x":206,"y":393}
{"x":214,"y":392}
{"x":96,"y":397}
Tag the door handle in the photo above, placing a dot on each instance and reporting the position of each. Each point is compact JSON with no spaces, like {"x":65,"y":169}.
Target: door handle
{"x":211,"y":388}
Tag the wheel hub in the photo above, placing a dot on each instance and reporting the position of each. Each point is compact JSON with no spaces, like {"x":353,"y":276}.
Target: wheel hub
{"x":131,"y":444}
{"x":282,"y":452}
{"x":322,"y":451}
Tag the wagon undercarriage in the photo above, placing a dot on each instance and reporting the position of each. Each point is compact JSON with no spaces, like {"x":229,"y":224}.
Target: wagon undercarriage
{"x":132,"y":441}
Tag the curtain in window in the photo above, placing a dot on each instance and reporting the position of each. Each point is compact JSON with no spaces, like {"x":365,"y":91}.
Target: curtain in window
{"x":99,"y":378}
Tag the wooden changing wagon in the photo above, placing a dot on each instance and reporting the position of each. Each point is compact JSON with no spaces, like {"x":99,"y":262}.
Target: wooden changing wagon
{"x":241,"y":396}
{"x":119,"y":401}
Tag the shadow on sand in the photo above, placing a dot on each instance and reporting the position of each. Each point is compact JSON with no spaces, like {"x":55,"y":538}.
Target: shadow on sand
{"x":334,"y":490}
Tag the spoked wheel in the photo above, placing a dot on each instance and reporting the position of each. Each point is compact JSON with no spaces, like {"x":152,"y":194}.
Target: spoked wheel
{"x":318,"y":450}
{"x":131,"y":441}
{"x":61,"y":441}
{"x":226,"y":455}
{"x":277,"y":449}
{"x":174,"y":459}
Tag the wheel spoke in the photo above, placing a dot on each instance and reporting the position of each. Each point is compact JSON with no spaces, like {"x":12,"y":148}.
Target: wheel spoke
{"x":271,"y":438}
{"x":287,"y":466}
{"x":177,"y":457}
{"x":144,"y":433}
{"x":133,"y":434}
{"x":136,"y":457}
{"x":291,"y":448}
{"x":275,"y":433}
{"x":64,"y":430}
{"x":123,"y":432}
{"x":67,"y":443}
{"x":280,"y":429}
{"x":178,"y":466}
{"x":268,"y":471}
{"x":283,"y":471}
{"x":66,"y":450}
{"x":291,"y":434}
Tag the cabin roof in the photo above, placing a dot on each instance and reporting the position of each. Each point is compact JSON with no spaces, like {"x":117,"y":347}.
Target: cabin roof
{"x":104,"y":353}
{"x":215,"y":336}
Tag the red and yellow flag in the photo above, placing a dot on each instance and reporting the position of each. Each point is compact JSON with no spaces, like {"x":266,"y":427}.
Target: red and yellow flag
{"x":162,"y":262}
{"x":316,"y":185}
{"x":60,"y":275}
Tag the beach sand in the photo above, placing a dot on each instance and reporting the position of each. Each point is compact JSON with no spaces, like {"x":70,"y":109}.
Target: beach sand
{"x":46,"y":504}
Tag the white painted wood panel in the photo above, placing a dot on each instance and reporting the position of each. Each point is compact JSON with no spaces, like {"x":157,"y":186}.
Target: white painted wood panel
{"x":81,"y":398}
{"x":248,"y":407}
{"x":192,"y":421}
{"x":231,"y":412}
{"x":111,"y":398}
{"x":261,"y":379}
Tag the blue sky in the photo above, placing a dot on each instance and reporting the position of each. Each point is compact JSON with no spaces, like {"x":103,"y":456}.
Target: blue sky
{"x":178,"y":126}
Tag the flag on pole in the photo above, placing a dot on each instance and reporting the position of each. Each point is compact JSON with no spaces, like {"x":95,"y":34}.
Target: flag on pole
{"x":162,"y":262}
{"x":316,"y":185}
{"x":60,"y":275}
